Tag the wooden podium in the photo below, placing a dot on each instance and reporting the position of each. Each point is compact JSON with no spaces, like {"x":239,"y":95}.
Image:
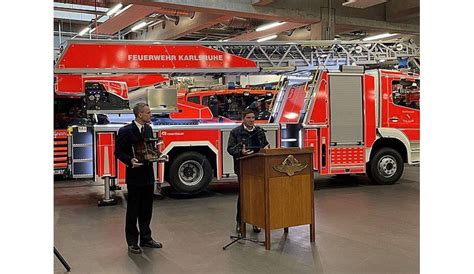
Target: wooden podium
{"x":276,"y":190}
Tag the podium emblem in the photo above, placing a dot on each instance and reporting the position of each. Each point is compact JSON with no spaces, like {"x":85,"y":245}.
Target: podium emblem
{"x":290,"y":166}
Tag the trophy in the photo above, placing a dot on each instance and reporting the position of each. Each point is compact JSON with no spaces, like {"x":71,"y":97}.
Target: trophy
{"x":146,"y":150}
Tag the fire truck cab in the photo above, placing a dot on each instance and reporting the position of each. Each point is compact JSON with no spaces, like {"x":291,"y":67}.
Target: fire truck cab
{"x":355,"y":120}
{"x":230,"y":103}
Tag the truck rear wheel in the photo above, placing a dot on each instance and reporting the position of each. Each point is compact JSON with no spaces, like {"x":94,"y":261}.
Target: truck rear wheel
{"x":386,"y":167}
{"x":190,"y":172}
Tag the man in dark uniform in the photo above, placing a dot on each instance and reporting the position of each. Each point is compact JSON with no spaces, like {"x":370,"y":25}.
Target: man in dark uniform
{"x":214,"y":106}
{"x":139,"y":178}
{"x":242,"y":141}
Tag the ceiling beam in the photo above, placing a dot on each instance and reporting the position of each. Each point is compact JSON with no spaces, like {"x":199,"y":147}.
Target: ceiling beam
{"x":124,"y":19}
{"x":260,"y":34}
{"x":403,"y":15}
{"x":185,"y":26}
{"x":366,"y":24}
{"x":242,"y":9}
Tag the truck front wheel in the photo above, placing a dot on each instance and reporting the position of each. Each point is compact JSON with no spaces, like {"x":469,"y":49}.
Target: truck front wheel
{"x":386,"y":166}
{"x":190,"y":172}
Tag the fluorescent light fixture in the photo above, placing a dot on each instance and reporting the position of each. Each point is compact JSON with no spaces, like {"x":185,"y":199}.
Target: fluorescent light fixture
{"x":79,"y":7}
{"x":362,"y":4}
{"x":114,"y":9}
{"x":124,"y":9}
{"x":269,"y":26}
{"x":139,"y":26}
{"x":267,"y":38}
{"x":76,"y":16}
{"x":84,"y":31}
{"x":155,"y":23}
{"x":380,"y":36}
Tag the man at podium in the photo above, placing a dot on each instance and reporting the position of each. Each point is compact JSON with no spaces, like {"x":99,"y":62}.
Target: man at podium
{"x":245,"y":140}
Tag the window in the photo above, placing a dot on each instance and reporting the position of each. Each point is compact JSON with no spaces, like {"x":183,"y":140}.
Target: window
{"x":194,"y":99}
{"x":68,"y":111}
{"x":406,"y":93}
{"x":205,"y":100}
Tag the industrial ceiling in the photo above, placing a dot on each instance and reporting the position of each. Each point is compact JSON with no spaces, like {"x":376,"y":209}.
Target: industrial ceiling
{"x":235,"y":20}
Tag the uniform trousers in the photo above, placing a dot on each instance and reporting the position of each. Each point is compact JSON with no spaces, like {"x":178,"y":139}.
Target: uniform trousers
{"x":139,"y":209}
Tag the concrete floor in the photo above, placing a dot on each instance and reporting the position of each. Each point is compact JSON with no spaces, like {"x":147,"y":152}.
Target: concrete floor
{"x":360,"y":228}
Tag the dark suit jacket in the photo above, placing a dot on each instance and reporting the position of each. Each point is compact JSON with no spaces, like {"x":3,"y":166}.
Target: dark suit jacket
{"x":127,"y":136}
{"x":238,"y":137}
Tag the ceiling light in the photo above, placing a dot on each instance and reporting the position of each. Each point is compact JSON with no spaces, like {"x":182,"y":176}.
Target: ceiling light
{"x":84,"y":31}
{"x":269,"y":26}
{"x":155,"y":23}
{"x":362,"y":4}
{"x":380,"y":36}
{"x":267,"y":38}
{"x":139,"y":26}
{"x":114,"y":9}
{"x":124,"y":9}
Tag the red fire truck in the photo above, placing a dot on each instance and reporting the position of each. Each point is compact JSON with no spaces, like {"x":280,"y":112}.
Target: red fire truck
{"x":353,"y":121}
{"x":349,"y":117}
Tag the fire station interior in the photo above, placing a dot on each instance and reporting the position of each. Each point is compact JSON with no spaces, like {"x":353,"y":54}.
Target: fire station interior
{"x":341,"y":78}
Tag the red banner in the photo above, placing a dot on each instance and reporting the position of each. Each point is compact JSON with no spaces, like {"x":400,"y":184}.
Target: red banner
{"x":148,"y":56}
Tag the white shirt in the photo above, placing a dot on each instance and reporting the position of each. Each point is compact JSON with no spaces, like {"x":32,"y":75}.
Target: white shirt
{"x":138,"y":125}
{"x":249,"y":130}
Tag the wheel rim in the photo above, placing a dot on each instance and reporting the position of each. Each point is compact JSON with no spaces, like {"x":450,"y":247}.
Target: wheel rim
{"x":190,"y":172}
{"x":387,"y":166}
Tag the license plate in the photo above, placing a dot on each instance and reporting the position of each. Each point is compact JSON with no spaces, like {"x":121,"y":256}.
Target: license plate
{"x":58,"y":171}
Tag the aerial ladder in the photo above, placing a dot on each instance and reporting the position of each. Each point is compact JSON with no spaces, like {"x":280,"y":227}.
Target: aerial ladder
{"x":268,"y":57}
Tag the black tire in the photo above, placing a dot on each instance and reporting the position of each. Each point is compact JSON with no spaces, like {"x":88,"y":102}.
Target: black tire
{"x":190,"y":172}
{"x":369,"y":173}
{"x":385,"y":167}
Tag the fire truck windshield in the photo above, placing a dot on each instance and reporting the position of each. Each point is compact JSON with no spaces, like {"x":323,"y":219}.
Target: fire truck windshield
{"x":231,"y":105}
{"x":406,"y":93}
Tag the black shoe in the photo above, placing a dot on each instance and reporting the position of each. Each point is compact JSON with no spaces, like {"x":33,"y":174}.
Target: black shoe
{"x":152,"y":244}
{"x":256,"y":229}
{"x":237,"y":228}
{"x":134,"y":249}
